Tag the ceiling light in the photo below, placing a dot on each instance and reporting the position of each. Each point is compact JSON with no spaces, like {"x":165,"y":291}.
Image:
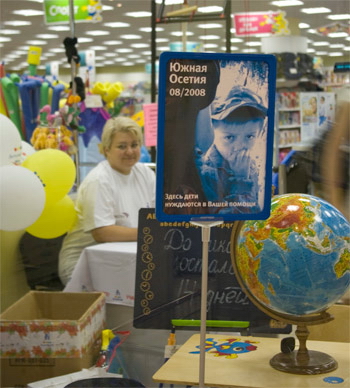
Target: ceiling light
{"x":85,"y":40}
{"x":133,"y":56}
{"x":286,"y":3}
{"x":209,"y":25}
{"x":233,"y":48}
{"x":180,"y":33}
{"x":119,"y":59}
{"x":98,"y":48}
{"x":107,"y":8}
{"x":36,"y":42}
{"x":320,"y":43}
{"x":209,"y":37}
{"x":312,"y":31}
{"x":57,"y":50}
{"x":123,"y":50}
{"x":47,"y":36}
{"x":139,"y":45}
{"x":97,"y":32}
{"x":346,"y":48}
{"x":250,"y":50}
{"x":109,"y":55}
{"x":338,"y":45}
{"x":146,"y":53}
{"x":236,"y":40}
{"x":310,"y":50}
{"x":106,"y":63}
{"x":315,"y":10}
{"x":254,"y":43}
{"x":337,"y":34}
{"x":162,"y":40}
{"x":345,"y":16}
{"x":163,"y":48}
{"x":99,"y":58}
{"x":58,"y":28}
{"x":303,"y":25}
{"x":210,"y":45}
{"x":9,"y":32}
{"x":28,"y":12}
{"x":321,"y":52}
{"x":140,"y":14}
{"x":149,"y":29}
{"x":112,"y":42}
{"x":335,"y":54}
{"x":116,"y":24}
{"x":21,"y":52}
{"x":210,"y":9}
{"x":17,"y":23}
{"x":131,"y":36}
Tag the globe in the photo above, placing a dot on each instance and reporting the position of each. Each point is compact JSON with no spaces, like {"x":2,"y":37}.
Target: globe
{"x":295,"y":264}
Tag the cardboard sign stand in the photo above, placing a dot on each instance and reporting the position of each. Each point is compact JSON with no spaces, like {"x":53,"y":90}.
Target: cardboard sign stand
{"x":205,"y":228}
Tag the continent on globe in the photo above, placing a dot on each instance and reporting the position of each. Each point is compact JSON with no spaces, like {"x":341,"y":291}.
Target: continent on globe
{"x":297,"y":261}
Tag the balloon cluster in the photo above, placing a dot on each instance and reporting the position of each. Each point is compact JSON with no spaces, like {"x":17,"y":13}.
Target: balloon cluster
{"x":34,"y":186}
{"x":108,"y":91}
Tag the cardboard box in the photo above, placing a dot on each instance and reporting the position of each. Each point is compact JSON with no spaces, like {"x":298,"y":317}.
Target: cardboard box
{"x":48,"y":334}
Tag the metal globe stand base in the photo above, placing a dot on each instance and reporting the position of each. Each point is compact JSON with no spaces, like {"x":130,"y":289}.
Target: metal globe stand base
{"x":303,"y":361}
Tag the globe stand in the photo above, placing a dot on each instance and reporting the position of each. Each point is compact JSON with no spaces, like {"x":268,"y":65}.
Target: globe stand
{"x":303,"y":361}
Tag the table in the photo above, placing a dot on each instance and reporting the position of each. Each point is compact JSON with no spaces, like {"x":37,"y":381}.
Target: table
{"x":251,"y":369}
{"x":108,"y":268}
{"x":111,"y":268}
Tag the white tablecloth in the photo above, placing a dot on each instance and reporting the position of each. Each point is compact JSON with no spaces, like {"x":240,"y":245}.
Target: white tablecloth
{"x":108,"y":268}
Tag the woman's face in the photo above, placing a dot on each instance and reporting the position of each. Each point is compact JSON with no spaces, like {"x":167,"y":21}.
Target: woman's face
{"x":124,"y":152}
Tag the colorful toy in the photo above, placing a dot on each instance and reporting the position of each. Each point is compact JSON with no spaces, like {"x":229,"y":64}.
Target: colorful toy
{"x":229,"y":349}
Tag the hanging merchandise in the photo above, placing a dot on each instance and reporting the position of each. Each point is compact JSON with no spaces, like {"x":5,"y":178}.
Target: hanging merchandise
{"x":109,"y":92}
{"x":10,"y":93}
{"x":77,"y":88}
{"x":52,"y":133}
{"x":93,"y":119}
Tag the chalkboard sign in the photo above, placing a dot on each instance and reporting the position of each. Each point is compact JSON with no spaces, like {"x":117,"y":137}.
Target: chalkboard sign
{"x":168,"y":277}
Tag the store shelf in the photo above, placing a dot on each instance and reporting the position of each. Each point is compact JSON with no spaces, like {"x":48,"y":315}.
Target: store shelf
{"x":289,"y":126}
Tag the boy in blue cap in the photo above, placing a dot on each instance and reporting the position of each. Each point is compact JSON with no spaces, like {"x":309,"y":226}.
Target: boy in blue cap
{"x":229,"y":175}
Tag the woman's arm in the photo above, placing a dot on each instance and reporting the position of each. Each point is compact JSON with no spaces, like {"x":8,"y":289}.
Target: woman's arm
{"x":114,"y":233}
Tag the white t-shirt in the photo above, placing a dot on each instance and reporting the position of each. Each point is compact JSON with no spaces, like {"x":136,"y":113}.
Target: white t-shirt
{"x":105,"y":197}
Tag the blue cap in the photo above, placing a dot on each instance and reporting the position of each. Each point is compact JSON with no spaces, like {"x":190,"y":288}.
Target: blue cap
{"x":238,"y":97}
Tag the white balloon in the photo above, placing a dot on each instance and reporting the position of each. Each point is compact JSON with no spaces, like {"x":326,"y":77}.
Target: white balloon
{"x":10,"y":142}
{"x":22,"y":197}
{"x":27,"y":149}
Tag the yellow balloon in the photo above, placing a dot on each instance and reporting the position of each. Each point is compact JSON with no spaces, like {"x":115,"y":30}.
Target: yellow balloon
{"x":55,"y":169}
{"x":55,"y":220}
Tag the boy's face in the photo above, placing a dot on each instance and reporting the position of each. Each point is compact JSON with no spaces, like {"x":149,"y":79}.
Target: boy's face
{"x":234,"y":140}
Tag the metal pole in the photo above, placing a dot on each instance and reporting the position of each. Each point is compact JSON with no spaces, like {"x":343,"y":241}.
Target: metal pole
{"x":73,"y":74}
{"x":205,"y":225}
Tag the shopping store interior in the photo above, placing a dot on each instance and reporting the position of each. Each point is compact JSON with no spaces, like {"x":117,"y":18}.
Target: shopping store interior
{"x":118,"y":45}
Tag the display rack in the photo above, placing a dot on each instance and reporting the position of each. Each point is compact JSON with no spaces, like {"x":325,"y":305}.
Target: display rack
{"x":288,"y":118}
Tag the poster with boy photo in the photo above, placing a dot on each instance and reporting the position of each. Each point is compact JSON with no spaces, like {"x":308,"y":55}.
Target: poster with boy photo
{"x":215,"y":136}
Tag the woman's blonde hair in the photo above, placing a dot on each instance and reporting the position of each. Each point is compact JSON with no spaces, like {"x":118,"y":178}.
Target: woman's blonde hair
{"x":115,"y":125}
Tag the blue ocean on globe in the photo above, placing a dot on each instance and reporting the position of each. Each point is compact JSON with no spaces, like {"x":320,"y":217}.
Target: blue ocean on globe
{"x":297,"y":261}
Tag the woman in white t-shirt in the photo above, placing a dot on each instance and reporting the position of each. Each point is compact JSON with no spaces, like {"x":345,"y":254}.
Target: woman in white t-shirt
{"x":111,"y":195}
